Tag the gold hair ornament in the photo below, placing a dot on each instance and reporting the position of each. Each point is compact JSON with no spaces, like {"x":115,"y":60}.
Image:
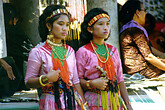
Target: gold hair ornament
{"x":56,"y":12}
{"x":97,"y":17}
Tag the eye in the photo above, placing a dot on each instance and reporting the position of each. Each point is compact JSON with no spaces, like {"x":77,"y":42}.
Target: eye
{"x":108,"y":23}
{"x":61,"y":23}
{"x":67,"y":24}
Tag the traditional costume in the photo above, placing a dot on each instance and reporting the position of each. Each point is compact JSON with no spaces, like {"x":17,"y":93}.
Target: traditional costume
{"x":60,"y":94}
{"x":107,"y":57}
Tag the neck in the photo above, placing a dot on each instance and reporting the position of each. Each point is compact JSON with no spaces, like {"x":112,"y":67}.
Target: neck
{"x":135,"y":18}
{"x":56,"y":41}
{"x":99,"y":41}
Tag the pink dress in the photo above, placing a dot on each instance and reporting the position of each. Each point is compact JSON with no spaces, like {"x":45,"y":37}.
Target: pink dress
{"x":39,"y":63}
{"x":86,"y":67}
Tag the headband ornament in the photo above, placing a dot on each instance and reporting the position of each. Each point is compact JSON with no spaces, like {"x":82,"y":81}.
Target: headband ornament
{"x":56,"y":12}
{"x":97,"y":17}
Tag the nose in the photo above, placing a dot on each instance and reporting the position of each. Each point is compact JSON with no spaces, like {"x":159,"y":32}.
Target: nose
{"x":105,"y":27}
{"x":65,"y":28}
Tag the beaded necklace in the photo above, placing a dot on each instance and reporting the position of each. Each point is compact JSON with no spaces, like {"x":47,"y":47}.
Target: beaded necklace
{"x":60,"y":55}
{"x":112,"y":87}
{"x":101,"y":50}
{"x":100,"y":59}
{"x":59,"y":48}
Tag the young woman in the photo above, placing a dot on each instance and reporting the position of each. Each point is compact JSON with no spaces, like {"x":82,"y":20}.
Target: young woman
{"x":52,"y":65}
{"x":99,"y":65}
{"x":135,"y":45}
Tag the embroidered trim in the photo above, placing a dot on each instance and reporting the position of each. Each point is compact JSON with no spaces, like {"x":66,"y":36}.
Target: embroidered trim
{"x":97,"y":17}
{"x":56,"y":12}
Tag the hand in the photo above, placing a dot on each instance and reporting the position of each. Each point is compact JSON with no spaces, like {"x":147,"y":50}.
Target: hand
{"x":8,"y":69}
{"x":99,"y":83}
{"x":53,"y":75}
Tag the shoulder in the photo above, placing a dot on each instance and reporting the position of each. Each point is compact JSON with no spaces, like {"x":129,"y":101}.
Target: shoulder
{"x":84,"y":49}
{"x":111,"y":47}
{"x":70,"y":49}
{"x":132,"y":31}
{"x":37,"y":48}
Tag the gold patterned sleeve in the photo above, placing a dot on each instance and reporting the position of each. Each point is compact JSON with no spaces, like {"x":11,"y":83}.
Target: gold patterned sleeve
{"x":141,"y":42}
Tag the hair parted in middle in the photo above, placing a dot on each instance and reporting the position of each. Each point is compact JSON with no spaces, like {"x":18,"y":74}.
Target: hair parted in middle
{"x":86,"y":36}
{"x":49,"y":15}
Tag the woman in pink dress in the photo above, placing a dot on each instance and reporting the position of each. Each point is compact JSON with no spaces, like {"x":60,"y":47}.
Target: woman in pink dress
{"x":52,"y":65}
{"x":99,"y":65}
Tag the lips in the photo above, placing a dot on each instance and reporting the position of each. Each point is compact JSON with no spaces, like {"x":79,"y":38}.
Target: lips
{"x":64,"y":34}
{"x":105,"y":32}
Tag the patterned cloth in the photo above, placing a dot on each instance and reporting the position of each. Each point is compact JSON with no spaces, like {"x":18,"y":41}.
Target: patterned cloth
{"x":35,"y":67}
{"x":86,"y":66}
{"x":134,"y":49}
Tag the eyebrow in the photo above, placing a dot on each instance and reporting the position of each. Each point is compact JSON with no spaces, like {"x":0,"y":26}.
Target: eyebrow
{"x":63,"y":21}
{"x":103,"y":21}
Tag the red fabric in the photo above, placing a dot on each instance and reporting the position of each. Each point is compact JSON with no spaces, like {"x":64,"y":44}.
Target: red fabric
{"x":159,"y":26}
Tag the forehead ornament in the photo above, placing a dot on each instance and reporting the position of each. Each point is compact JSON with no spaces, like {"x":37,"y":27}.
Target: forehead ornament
{"x":56,"y":12}
{"x":97,"y":17}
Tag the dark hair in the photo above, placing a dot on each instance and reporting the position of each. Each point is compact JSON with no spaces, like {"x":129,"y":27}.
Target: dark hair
{"x":150,"y":19}
{"x":9,"y":12}
{"x":43,"y":31}
{"x":86,"y":36}
{"x":128,"y":10}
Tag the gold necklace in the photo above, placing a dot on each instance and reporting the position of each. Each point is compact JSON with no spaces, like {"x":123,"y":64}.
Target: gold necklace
{"x":50,"y":42}
{"x":58,"y":55}
{"x":98,"y":54}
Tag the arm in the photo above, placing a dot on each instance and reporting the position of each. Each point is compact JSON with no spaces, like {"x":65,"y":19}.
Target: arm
{"x":8,"y":69}
{"x":52,"y":76}
{"x":157,"y":52}
{"x":146,"y":52}
{"x":98,"y":83}
{"x":124,"y":95}
{"x":155,"y":61}
{"x":34,"y":66}
{"x":80,"y":91}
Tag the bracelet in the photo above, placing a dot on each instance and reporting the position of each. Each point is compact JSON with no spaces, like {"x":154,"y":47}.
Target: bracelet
{"x":44,"y":80}
{"x":88,"y":85}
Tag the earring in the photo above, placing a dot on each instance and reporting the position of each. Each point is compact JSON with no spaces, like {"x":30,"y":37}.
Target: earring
{"x":50,"y":36}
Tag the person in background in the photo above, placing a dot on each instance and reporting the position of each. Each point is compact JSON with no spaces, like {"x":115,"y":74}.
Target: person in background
{"x":157,"y":38}
{"x":135,"y":45}
{"x":52,"y":65}
{"x":99,"y":65}
{"x":18,"y":46}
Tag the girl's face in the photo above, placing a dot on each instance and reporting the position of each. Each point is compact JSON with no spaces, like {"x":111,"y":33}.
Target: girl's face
{"x":101,"y":28}
{"x":60,"y":28}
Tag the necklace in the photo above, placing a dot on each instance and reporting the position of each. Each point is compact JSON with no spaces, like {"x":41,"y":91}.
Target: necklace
{"x":99,"y":49}
{"x":50,"y":42}
{"x":98,"y":54}
{"x":53,"y":48}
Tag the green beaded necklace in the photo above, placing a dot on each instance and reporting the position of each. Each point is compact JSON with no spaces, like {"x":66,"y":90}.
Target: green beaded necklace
{"x":101,"y":50}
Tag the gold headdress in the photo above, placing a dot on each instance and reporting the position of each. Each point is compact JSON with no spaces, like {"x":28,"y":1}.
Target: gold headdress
{"x":56,"y":12}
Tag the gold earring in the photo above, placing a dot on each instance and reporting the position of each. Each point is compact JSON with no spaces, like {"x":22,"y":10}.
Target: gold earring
{"x":50,"y":35}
